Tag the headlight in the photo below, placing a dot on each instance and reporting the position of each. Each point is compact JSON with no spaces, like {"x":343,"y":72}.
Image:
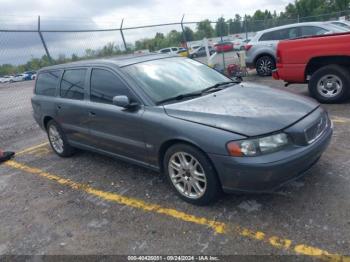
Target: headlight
{"x":258,"y":146}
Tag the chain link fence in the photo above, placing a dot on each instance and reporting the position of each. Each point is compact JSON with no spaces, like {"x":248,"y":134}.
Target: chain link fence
{"x":29,"y":43}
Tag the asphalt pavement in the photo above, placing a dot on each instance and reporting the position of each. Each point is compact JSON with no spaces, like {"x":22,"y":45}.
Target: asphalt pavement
{"x":92,"y":204}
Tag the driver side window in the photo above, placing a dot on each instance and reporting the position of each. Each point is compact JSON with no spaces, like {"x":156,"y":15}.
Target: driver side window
{"x":105,"y":85}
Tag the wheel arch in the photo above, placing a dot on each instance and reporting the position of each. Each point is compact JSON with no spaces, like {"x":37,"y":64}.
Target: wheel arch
{"x":318,"y":62}
{"x":264,"y":54}
{"x":169,"y":143}
{"x":46,"y":120}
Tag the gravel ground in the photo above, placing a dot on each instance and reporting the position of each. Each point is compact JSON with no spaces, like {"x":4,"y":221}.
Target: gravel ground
{"x":41,"y":215}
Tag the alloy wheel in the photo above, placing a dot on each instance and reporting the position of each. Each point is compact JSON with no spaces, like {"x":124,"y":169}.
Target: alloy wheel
{"x":187,"y":175}
{"x":56,"y":139}
{"x":265,"y":66}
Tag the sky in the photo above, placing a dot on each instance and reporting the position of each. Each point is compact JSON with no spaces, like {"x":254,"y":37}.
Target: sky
{"x":100,"y":14}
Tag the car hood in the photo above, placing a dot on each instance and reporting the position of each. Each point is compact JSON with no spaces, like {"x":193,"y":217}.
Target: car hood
{"x":246,"y":109}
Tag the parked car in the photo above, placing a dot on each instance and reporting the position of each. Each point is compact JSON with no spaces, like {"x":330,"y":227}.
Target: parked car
{"x":205,"y":132}
{"x":239,"y":44}
{"x":194,"y":47}
{"x":33,"y":77}
{"x":182,"y":52}
{"x":28,"y":75}
{"x":261,"y":50}
{"x":323,"y":62}
{"x":5,"y":79}
{"x":201,"y":52}
{"x":18,"y":78}
{"x":224,"y":46}
{"x":341,"y":23}
{"x":170,"y":50}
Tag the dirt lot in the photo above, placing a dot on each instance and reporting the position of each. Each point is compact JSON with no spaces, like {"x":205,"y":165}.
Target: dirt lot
{"x":92,"y":204}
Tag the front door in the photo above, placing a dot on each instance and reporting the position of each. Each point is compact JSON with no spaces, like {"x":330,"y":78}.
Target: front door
{"x":114,"y":129}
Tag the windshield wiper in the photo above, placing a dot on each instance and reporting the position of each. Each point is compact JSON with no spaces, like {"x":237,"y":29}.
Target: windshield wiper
{"x":179,"y":97}
{"x":193,"y":94}
{"x":218,"y":85}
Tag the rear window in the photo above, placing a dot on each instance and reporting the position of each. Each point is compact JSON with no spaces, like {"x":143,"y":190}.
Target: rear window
{"x":46,"y":83}
{"x":72,"y":84}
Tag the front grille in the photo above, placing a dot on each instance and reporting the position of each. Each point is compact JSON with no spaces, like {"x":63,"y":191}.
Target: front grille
{"x":317,"y":129}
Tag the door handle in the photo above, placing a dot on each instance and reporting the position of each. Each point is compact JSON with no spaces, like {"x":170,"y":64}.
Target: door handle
{"x":59,"y":106}
{"x":92,"y":113}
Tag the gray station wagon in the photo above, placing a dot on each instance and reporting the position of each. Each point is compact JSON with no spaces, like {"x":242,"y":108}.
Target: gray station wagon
{"x":207,"y":133}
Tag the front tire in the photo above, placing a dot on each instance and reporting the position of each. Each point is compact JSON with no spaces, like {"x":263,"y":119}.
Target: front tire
{"x":330,"y":84}
{"x":191,"y":175}
{"x":265,"y":65}
{"x":58,"y":140}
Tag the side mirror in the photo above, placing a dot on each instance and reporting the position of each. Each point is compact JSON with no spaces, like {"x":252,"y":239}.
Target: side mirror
{"x":124,"y":101}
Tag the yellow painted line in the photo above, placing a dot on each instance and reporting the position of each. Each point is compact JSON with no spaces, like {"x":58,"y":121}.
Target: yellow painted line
{"x":218,"y":227}
{"x":31,"y":149}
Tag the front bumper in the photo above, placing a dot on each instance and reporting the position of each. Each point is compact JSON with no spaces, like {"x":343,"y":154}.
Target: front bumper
{"x":269,"y":172}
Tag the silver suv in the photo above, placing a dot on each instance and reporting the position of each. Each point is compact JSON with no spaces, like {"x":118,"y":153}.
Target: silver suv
{"x":261,"y":50}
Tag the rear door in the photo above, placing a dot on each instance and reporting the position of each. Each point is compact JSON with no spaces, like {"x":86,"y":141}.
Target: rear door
{"x":72,"y":111}
{"x":114,"y":129}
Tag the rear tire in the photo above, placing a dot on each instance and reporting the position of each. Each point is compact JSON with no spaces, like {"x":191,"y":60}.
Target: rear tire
{"x":58,"y":140}
{"x":330,"y":84}
{"x":265,"y":65}
{"x":191,"y":174}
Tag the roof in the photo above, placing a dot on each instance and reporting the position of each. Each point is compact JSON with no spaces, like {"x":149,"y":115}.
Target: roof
{"x":324,"y":24}
{"x":119,"y":61}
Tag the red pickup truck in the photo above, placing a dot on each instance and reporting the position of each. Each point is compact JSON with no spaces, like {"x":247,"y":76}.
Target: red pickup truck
{"x":321,"y":61}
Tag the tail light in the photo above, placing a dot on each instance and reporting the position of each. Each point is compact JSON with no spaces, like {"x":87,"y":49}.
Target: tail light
{"x":247,"y":47}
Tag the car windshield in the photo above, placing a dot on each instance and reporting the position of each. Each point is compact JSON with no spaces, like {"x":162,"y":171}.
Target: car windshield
{"x":166,"y":78}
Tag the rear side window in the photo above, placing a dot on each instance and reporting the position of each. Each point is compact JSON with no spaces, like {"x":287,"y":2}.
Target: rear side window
{"x":165,"y":51}
{"x":267,"y":36}
{"x":46,"y":83}
{"x":105,"y":85}
{"x":312,"y":30}
{"x":282,"y":34}
{"x":72,"y":84}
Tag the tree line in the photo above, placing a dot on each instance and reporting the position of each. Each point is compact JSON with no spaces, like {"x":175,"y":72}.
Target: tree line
{"x":299,"y":11}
